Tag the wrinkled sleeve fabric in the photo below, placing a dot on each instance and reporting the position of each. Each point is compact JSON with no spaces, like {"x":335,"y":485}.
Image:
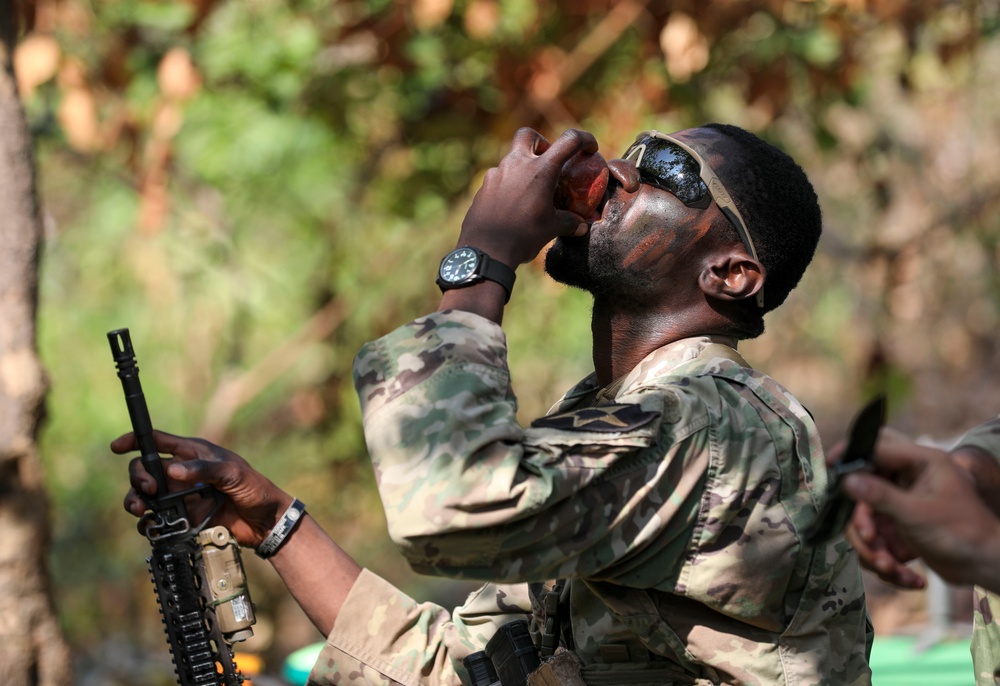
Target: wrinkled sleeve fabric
{"x":986,"y":437}
{"x":985,"y":644}
{"x":382,"y":636}
{"x":470,"y":493}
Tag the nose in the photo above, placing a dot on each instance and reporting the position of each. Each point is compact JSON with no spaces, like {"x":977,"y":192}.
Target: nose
{"x":626,"y":173}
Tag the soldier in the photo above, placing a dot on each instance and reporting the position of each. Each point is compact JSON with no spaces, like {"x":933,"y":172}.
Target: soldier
{"x":939,"y":504}
{"x":653,"y":524}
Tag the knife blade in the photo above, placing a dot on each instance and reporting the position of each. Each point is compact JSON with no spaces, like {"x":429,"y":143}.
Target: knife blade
{"x":858,"y":455}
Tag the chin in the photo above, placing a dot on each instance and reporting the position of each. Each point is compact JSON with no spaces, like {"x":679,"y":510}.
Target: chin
{"x":568,"y":261}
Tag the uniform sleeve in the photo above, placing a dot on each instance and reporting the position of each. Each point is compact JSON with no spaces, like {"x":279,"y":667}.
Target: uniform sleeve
{"x":382,"y":636}
{"x":986,"y":437}
{"x":469,"y":493}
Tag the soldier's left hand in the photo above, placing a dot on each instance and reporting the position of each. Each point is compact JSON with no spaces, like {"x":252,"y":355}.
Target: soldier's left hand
{"x":251,"y":505}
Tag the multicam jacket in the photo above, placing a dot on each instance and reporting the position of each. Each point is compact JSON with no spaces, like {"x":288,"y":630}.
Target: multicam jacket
{"x":986,"y":610}
{"x":674,"y":501}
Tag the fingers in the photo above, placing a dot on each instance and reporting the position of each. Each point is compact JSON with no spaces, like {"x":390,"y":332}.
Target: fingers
{"x":191,"y":460}
{"x":570,"y":224}
{"x":124,"y":444}
{"x":528,"y":140}
{"x":141,"y":480}
{"x":134,"y":504}
{"x":867,"y":488}
{"x":880,"y":495}
{"x":863,"y":523}
{"x":572,"y":141}
{"x":892,"y":571}
{"x":863,"y":538}
{"x":875,"y":554}
{"x":180,"y":447}
{"x":896,"y":453}
{"x":219,"y":473}
{"x":879,"y":546}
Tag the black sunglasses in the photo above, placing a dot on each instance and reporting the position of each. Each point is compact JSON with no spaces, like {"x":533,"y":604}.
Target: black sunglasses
{"x":673,"y":166}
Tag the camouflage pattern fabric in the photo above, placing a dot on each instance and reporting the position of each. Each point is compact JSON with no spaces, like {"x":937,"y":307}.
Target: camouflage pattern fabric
{"x":673,"y":500}
{"x":986,"y":610}
{"x":384,"y":637}
{"x":986,"y":437}
{"x":986,"y":637}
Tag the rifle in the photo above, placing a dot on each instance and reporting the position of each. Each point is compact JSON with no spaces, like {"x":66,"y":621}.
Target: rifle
{"x":197,"y":572}
{"x":508,"y":660}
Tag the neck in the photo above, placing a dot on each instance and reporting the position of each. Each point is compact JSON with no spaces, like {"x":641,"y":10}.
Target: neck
{"x":622,"y":339}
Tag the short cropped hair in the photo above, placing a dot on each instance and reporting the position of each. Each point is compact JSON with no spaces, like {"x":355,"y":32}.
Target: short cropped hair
{"x":782,"y":213}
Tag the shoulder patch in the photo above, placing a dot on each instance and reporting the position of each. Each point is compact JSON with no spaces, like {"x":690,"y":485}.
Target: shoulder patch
{"x":603,"y":419}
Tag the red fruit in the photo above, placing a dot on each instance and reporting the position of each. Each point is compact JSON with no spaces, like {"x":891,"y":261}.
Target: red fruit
{"x":581,"y":185}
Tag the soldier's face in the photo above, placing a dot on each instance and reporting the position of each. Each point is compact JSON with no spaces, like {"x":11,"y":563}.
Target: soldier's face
{"x":646,"y":243}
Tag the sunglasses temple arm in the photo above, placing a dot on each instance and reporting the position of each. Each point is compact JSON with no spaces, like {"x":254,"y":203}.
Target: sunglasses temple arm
{"x":748,"y":244}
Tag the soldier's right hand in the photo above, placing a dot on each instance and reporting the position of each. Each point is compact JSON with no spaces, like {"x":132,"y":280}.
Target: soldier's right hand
{"x":513,"y":215}
{"x":251,"y":506}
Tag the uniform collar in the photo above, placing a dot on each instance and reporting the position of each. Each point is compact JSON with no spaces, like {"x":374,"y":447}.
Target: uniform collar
{"x":658,"y":363}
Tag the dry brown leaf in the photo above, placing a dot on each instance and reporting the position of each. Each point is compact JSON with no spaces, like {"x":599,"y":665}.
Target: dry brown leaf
{"x":428,"y":14}
{"x":685,"y":48}
{"x":36,"y":60}
{"x":481,"y":18}
{"x":167,"y":121}
{"x":177,"y":76}
{"x":78,"y":117}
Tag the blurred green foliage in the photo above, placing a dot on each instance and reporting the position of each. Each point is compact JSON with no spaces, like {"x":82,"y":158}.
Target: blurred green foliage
{"x":256,"y":189}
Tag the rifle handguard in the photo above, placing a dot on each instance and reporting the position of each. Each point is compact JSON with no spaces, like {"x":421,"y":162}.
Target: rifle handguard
{"x":282,"y":530}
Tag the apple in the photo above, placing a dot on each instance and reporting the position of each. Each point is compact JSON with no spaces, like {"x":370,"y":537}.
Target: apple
{"x":582,"y":183}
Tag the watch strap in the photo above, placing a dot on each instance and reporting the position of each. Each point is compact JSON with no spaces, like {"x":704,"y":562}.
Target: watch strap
{"x":495,"y":270}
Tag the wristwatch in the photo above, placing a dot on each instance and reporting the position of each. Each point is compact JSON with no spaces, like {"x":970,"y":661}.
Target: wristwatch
{"x":467,"y":266}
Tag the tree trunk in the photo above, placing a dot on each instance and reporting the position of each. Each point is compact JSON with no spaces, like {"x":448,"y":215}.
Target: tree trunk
{"x":33,"y":650}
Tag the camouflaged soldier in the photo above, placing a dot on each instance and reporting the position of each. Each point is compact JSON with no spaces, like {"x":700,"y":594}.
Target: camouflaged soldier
{"x":943,"y":520}
{"x":986,"y":610}
{"x":651,"y":525}
{"x":672,"y":486}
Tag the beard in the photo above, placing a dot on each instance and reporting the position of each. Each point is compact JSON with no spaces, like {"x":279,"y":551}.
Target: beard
{"x":584,"y":262}
{"x":568,"y":262}
{"x":595,"y":263}
{"x":595,"y":266}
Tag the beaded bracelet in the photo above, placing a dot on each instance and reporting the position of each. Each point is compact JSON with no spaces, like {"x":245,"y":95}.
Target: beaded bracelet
{"x":279,"y":534}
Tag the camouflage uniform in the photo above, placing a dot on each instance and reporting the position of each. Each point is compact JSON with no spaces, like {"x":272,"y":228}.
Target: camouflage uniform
{"x":986,"y":611}
{"x":674,"y":502}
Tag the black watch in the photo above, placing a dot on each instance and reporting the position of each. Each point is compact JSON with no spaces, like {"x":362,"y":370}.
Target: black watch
{"x":466,"y":266}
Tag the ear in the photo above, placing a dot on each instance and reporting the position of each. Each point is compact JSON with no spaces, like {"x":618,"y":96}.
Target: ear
{"x":732,"y":276}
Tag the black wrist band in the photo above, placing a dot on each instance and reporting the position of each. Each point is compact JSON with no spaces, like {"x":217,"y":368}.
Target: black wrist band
{"x":279,"y":534}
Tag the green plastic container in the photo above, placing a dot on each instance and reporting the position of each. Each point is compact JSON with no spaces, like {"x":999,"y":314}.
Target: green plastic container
{"x":300,"y":663}
{"x":896,"y":662}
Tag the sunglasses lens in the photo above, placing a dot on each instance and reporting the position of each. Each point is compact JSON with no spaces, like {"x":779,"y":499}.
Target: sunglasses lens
{"x":665,"y":165}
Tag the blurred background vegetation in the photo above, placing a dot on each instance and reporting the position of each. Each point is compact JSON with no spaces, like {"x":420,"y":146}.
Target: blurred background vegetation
{"x":257,"y":188}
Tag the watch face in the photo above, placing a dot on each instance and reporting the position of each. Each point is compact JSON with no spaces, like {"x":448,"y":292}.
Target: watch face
{"x":459,"y":265}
